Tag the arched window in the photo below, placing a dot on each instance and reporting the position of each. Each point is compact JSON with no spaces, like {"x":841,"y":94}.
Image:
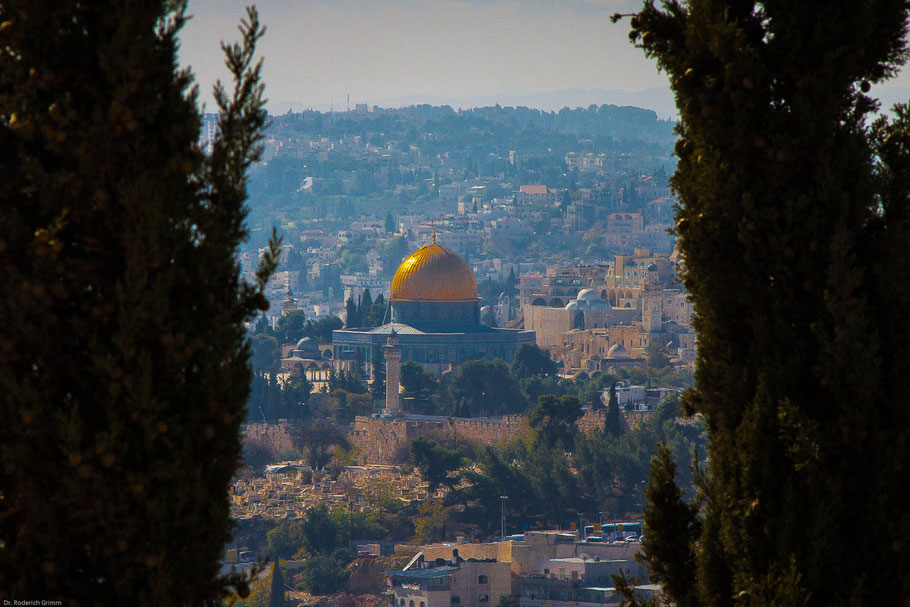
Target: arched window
{"x":410,"y":603}
{"x":402,"y":602}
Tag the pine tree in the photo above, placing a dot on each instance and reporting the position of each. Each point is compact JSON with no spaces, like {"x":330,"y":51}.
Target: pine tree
{"x":124,"y":364}
{"x":793,"y":226}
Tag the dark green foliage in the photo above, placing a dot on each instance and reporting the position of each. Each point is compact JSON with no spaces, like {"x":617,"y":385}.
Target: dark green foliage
{"x":289,"y":327}
{"x":349,"y":406}
{"x":321,"y":328}
{"x":416,"y":380}
{"x":262,"y":327}
{"x":554,"y":419}
{"x":320,"y":533}
{"x":377,"y":311}
{"x":485,"y":388}
{"x":357,"y":525}
{"x":123,"y":364}
{"x":435,"y":462}
{"x":670,"y":530}
{"x":419,"y":386}
{"x":349,"y":382}
{"x":315,"y":439}
{"x":377,"y":386}
{"x":266,"y":355}
{"x":613,"y":424}
{"x":352,"y":314}
{"x":793,"y":224}
{"x":531,"y":360}
{"x":657,"y":356}
{"x":270,"y":400}
{"x":495,"y":477}
{"x":295,"y":393}
{"x":488,"y":317}
{"x":393,"y":252}
{"x":364,"y":307}
{"x":276,"y":591}
{"x":625,"y":588}
{"x":613,"y":469}
{"x":324,"y":574}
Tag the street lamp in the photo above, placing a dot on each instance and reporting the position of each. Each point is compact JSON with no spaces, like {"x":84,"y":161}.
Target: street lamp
{"x":502,"y":527}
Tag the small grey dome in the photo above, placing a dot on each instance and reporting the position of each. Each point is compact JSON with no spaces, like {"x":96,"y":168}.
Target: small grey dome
{"x":586,"y":294}
{"x":307,"y":345}
{"x":617,"y":351}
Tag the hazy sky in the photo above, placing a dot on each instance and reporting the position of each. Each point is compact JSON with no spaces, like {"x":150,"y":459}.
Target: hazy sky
{"x":389,"y":52}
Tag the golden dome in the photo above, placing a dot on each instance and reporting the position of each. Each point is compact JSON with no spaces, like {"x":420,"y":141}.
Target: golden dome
{"x":434,"y":273}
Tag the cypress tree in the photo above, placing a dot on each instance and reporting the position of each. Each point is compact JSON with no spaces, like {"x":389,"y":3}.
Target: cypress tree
{"x":377,"y":311}
{"x":124,"y":365}
{"x":377,"y":386}
{"x":793,"y":226}
{"x":276,"y":590}
{"x":352,"y":315}
{"x":390,"y":223}
{"x":671,"y":527}
{"x":613,"y":423}
{"x":365,"y":307}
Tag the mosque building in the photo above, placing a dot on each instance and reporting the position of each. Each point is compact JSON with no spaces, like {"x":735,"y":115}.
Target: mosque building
{"x":434,"y":311}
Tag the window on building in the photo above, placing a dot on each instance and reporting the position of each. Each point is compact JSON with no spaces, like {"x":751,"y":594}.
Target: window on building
{"x":410,"y":603}
{"x":402,"y":603}
{"x":456,"y":600}
{"x":483,"y":598}
{"x":482,"y":579}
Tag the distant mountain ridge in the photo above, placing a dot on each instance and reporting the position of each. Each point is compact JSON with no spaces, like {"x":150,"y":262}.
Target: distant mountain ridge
{"x":488,"y":128}
{"x":660,"y":100}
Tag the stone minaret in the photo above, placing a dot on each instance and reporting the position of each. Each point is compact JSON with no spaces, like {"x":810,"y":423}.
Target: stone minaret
{"x":392,"y":374}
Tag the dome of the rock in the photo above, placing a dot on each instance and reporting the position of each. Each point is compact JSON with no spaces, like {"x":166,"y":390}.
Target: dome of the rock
{"x":434,"y":273}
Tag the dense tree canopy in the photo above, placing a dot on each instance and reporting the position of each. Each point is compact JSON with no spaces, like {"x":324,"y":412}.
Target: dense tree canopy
{"x":531,"y":360}
{"x":289,"y":327}
{"x":123,"y":363}
{"x":434,"y":461}
{"x":554,"y":417}
{"x":486,"y":388}
{"x":793,"y":227}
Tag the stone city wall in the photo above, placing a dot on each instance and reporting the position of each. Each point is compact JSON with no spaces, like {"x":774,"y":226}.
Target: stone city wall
{"x":276,"y":437}
{"x":382,"y":440}
{"x":596,"y":420}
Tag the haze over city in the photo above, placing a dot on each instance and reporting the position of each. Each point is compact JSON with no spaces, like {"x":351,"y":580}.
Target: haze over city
{"x":462,"y":53}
